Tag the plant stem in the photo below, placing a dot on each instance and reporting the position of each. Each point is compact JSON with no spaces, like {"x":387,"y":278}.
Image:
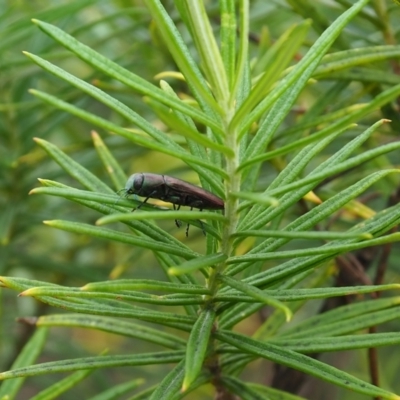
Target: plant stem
{"x":231,"y":203}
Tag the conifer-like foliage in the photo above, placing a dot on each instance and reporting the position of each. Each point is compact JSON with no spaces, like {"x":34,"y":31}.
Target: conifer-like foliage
{"x":294,"y":135}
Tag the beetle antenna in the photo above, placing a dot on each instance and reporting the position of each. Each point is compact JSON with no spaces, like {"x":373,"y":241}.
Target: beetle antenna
{"x":119,"y":196}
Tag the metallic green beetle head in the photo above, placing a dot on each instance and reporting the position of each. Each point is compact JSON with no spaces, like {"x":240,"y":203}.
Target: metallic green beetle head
{"x":134,"y":184}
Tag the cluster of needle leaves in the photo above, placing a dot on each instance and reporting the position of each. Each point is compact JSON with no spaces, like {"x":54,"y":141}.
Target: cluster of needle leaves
{"x":231,"y":132}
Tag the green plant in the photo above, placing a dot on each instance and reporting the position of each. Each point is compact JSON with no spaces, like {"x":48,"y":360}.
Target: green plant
{"x":228,"y":134}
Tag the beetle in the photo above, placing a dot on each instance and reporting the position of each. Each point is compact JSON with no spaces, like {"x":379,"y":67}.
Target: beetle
{"x":172,"y":190}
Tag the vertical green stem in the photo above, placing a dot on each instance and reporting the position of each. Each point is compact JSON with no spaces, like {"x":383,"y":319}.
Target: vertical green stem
{"x":231,"y":212}
{"x":231,"y":204}
{"x":232,"y":184}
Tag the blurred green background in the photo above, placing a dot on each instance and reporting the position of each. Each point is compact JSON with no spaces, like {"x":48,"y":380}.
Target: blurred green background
{"x":122,"y":31}
{"x":119,"y":30}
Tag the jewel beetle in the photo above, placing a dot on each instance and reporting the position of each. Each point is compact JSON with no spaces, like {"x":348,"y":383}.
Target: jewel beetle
{"x":172,"y":190}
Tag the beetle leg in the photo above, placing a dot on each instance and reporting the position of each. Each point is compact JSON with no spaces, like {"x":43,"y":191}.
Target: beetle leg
{"x":187,"y":228}
{"x":202,"y":225}
{"x":177,"y":222}
{"x":144,"y":201}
